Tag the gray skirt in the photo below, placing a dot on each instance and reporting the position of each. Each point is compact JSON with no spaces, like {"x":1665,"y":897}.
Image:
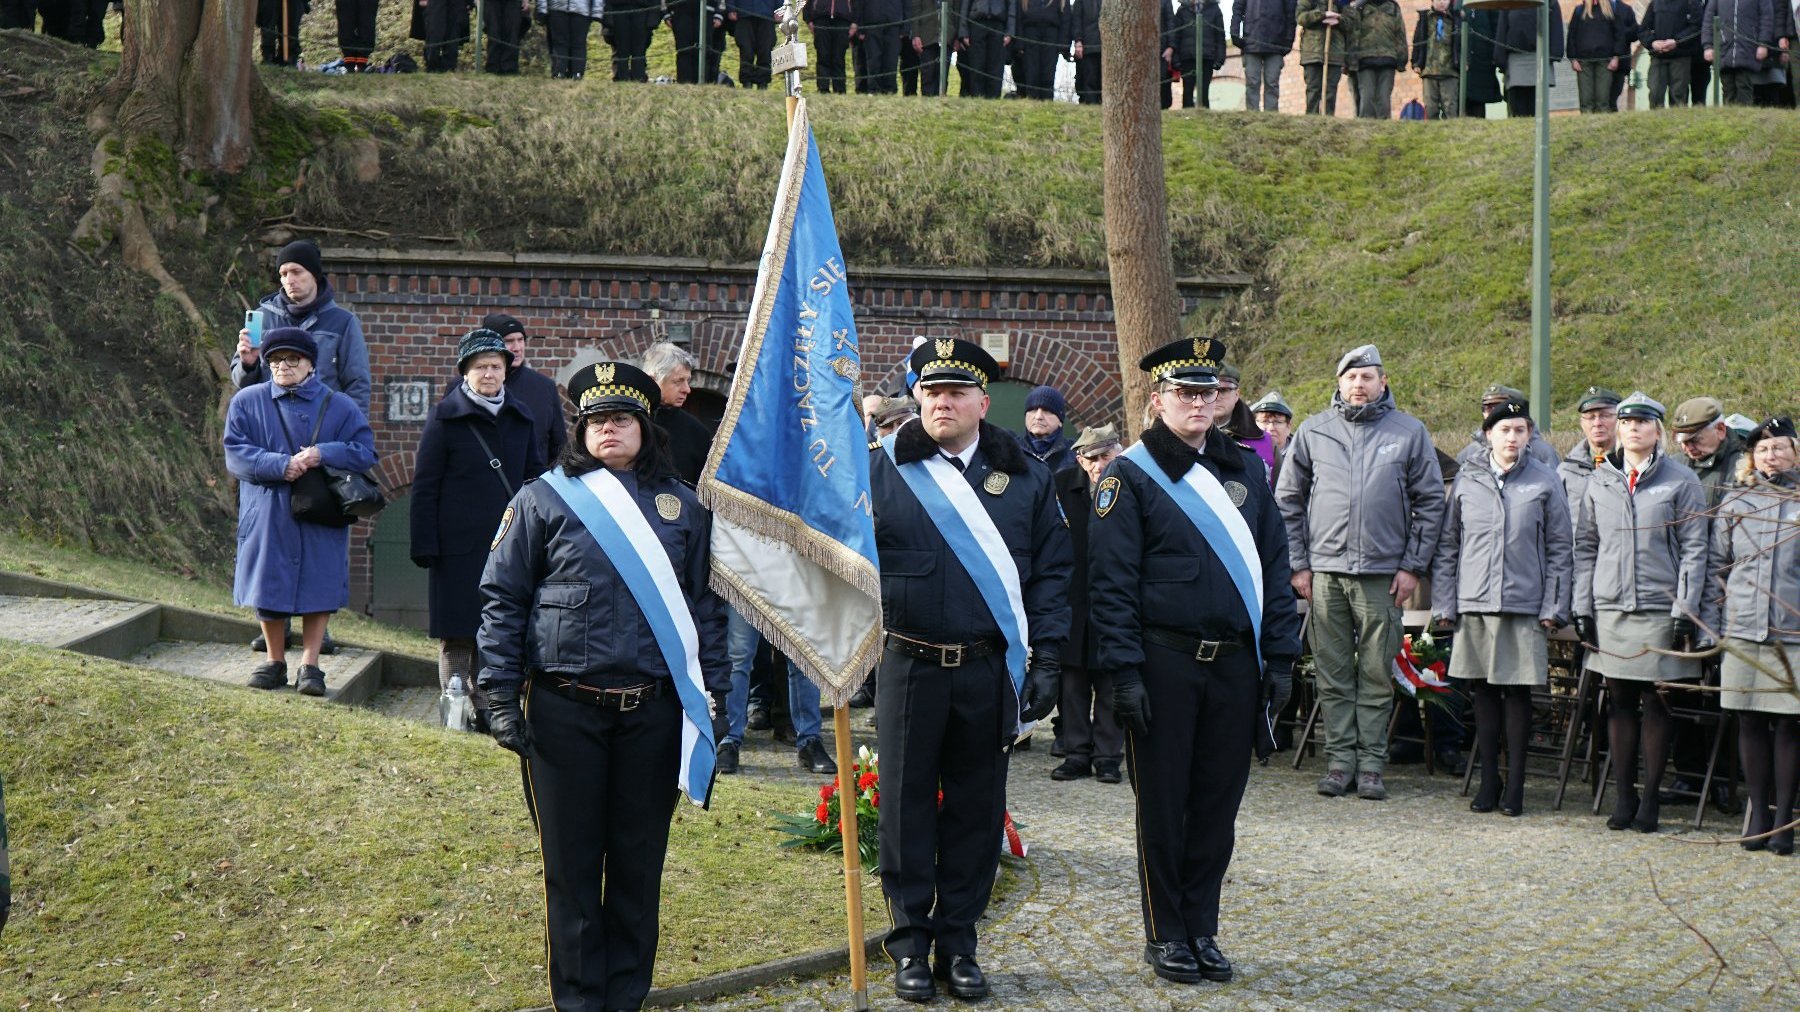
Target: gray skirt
{"x":1521,"y":70}
{"x":1752,"y":671}
{"x":1500,"y":650}
{"x":1624,"y":633}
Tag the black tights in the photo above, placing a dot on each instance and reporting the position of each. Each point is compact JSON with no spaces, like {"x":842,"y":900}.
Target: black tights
{"x":1623,"y":727}
{"x":1496,"y":705}
{"x":1769,"y":746}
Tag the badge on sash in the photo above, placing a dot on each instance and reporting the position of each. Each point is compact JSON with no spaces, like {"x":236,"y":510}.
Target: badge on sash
{"x":1106,"y":496}
{"x":506,"y":520}
{"x":668,"y":507}
{"x":995,"y":483}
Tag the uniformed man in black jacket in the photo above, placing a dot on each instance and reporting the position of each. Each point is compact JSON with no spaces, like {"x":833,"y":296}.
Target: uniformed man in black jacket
{"x":1190,"y":601}
{"x":974,"y":581}
{"x":582,"y":686}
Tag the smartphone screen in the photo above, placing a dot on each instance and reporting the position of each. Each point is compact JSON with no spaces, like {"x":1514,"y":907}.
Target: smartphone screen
{"x":253,"y":323}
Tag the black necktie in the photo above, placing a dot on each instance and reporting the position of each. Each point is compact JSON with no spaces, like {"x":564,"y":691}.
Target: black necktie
{"x":955,"y":462}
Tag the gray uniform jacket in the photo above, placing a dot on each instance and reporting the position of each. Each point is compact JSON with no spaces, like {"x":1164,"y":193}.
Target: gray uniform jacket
{"x":1506,"y":549}
{"x":1753,"y":588}
{"x":1646,"y":551}
{"x":1575,"y":468}
{"x":1475,"y":454}
{"x":1361,"y":492}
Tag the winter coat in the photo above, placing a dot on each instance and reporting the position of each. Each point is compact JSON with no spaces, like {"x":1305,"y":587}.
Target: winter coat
{"x":343,"y":363}
{"x":1075,"y":497}
{"x":1516,"y":31}
{"x":284,"y":564}
{"x":1673,"y":19}
{"x":1361,"y":491}
{"x":538,"y":395}
{"x":1480,"y":80}
{"x":1002,"y":12}
{"x":1597,"y":36}
{"x":1057,"y":453}
{"x":457,"y":498}
{"x":1426,"y":31}
{"x":1081,"y":23}
{"x":1575,"y":468}
{"x":1645,"y":551}
{"x":690,"y":440}
{"x":553,"y":601}
{"x":1263,"y":27}
{"x":1310,"y":15}
{"x":1507,"y":549}
{"x":1039,"y":13}
{"x":926,"y":25}
{"x":1539,"y":449}
{"x":879,"y":13}
{"x":1381,"y":36}
{"x":1753,"y":581}
{"x":842,"y":10}
{"x":1181,"y":31}
{"x":1741,"y":26}
{"x":1719,"y":471}
{"x":763,"y":9}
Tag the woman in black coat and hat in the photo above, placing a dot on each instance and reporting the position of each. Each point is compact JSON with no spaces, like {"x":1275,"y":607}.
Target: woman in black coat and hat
{"x":476,"y":451}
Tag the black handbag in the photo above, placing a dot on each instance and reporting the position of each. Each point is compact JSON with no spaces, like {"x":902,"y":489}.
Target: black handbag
{"x":330,"y":496}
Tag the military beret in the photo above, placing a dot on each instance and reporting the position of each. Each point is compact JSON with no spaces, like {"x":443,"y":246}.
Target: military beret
{"x":1359,"y":358}
{"x":1696,"y":413}
{"x":1774,"y":428}
{"x":1512,"y":407}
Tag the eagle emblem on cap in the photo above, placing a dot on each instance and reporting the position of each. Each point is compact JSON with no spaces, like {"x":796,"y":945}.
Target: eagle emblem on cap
{"x":1202,"y":347}
{"x":946,"y":347}
{"x":603,"y":373}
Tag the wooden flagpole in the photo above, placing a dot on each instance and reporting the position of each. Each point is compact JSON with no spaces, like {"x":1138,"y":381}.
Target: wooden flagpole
{"x":789,"y":59}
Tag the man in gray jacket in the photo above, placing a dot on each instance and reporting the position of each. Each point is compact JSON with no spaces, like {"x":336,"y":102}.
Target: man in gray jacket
{"x":1599,"y":411}
{"x":1363,"y":498}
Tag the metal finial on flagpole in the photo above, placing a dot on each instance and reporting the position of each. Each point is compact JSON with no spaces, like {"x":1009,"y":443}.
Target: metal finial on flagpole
{"x":789,"y":58}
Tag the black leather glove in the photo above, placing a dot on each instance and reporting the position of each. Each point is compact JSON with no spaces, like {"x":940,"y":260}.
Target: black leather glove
{"x":721,"y":723}
{"x":506,"y":720}
{"x":425,"y":561}
{"x":1277,"y":685}
{"x":1131,"y":704}
{"x":1584,"y":629}
{"x":1043,"y":687}
{"x":1681,"y":633}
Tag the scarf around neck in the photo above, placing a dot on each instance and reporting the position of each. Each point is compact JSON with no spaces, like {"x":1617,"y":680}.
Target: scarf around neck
{"x":491,"y":405}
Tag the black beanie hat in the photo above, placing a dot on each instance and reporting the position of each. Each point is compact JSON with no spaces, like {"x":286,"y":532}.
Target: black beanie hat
{"x":503,"y":324}
{"x":304,"y":252}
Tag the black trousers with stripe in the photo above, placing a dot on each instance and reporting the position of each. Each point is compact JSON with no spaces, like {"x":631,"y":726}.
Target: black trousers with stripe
{"x":940,"y":728}
{"x":602,"y":784}
{"x":1189,"y":773}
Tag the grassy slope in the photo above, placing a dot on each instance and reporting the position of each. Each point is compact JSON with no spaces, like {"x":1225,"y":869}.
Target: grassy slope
{"x":174,"y":840}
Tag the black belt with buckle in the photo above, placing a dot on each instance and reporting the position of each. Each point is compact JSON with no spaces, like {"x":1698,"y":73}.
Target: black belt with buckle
{"x":623,"y":700}
{"x":944,"y":655}
{"x":1204,"y":651}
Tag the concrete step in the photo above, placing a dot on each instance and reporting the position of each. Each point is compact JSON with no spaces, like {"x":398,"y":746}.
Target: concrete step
{"x":63,"y":622}
{"x":352,"y":674}
{"x":407,"y":702}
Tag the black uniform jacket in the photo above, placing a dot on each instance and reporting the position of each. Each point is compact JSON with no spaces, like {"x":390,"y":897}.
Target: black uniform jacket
{"x":926,"y":593}
{"x":1072,"y":494}
{"x":1149,"y":566}
{"x":552,"y":601}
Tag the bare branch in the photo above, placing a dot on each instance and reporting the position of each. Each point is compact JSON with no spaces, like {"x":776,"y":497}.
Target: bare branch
{"x":1719,"y":958}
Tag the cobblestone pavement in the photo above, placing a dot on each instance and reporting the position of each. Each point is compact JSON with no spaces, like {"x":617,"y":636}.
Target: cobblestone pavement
{"x":52,"y":620}
{"x":1412,"y":903}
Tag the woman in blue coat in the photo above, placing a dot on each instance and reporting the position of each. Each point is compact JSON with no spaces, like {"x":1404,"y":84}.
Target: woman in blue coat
{"x":475,"y":453}
{"x":275,"y":432}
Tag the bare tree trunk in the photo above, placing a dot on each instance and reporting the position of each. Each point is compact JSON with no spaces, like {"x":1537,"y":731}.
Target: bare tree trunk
{"x":1145,"y":302}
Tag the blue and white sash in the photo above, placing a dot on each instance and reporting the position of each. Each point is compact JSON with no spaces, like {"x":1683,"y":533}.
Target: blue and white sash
{"x":611,"y":515}
{"x":959,"y":516}
{"x":1207,"y":505}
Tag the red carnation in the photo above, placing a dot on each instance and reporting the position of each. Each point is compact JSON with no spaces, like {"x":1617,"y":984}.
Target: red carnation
{"x":820,"y":813}
{"x":826,"y":791}
{"x":875,"y":799}
{"x":866,"y":781}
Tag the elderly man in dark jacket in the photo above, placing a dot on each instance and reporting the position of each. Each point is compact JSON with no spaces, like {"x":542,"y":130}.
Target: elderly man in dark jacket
{"x":1670,"y":31}
{"x":986,"y":32}
{"x":1707,"y":444}
{"x":1081,"y":25}
{"x":1735,"y":36}
{"x":1263,"y":31}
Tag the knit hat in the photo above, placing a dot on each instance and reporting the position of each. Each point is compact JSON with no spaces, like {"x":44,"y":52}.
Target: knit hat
{"x":290,"y":339}
{"x":476,"y":342}
{"x":304,"y":252}
{"x":1049,"y":398}
{"x":503,"y":324}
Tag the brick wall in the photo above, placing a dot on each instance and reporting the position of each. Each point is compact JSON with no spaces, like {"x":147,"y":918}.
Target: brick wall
{"x":415,"y":306}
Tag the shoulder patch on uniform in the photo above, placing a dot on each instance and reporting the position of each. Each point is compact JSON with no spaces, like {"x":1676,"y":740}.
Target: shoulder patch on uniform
{"x":506,"y":520}
{"x":1107,"y":495}
{"x":1237,"y":492}
{"x":996,"y":481}
{"x":668,"y":507}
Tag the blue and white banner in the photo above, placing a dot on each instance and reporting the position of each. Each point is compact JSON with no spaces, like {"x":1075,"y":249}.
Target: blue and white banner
{"x":1210,"y":508}
{"x":788,"y":478}
{"x":957,"y":512}
{"x":612,"y":516}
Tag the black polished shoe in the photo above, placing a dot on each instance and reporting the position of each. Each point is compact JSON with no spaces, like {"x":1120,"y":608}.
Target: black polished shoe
{"x":912,"y":979}
{"x":963,"y":977}
{"x":1107,"y":771}
{"x":1071,"y":769}
{"x":861,"y":700}
{"x":757,"y":719}
{"x":1511,"y":809}
{"x":260,"y":644}
{"x":328,"y":646}
{"x":1649,"y":814}
{"x":726,"y":761}
{"x":812,"y":756}
{"x":1487,"y":797}
{"x":269,"y":675}
{"x":1213,"y":964}
{"x":311,"y":680}
{"x":1173,"y":961}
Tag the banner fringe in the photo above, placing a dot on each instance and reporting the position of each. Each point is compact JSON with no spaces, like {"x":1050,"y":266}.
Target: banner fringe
{"x":797,"y":654}
{"x":826,"y":553}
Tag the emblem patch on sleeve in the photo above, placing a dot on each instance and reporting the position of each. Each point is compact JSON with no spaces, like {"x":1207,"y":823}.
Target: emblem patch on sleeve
{"x":1237,"y":492}
{"x":1106,"y":496}
{"x":668,"y":507}
{"x":995,"y":482}
{"x":506,"y":520}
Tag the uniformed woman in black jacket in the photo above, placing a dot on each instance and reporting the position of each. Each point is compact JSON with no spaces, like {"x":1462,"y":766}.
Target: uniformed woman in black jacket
{"x":602,"y":644}
{"x":1191,"y":605}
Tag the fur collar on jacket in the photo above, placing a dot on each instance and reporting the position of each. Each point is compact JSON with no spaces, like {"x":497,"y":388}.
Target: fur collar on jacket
{"x":912,"y":443}
{"x":1175,"y":456}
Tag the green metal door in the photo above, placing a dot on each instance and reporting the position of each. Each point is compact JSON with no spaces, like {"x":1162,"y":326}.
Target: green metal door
{"x":397,"y":588}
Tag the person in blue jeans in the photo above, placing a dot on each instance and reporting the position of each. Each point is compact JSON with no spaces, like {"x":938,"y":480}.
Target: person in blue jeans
{"x":741,"y":641}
